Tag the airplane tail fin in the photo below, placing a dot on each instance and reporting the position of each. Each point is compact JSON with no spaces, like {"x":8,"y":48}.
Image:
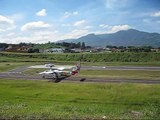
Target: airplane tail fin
{"x":76,"y":69}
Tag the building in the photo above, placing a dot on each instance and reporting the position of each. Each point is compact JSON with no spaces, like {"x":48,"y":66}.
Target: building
{"x":54,"y":50}
{"x":16,"y":48}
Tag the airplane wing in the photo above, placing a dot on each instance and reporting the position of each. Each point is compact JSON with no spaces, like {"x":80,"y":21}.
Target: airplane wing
{"x":46,"y":72}
{"x":60,"y":67}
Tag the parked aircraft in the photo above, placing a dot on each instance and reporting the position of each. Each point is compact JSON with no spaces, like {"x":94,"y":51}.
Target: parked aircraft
{"x":59,"y":72}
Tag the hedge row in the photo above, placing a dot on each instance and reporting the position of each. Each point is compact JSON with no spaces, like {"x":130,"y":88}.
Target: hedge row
{"x":89,"y":57}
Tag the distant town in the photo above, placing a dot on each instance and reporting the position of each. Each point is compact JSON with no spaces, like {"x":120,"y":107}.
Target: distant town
{"x":65,"y":47}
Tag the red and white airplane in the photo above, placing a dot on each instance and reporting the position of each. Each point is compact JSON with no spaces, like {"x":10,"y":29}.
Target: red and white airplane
{"x":58,"y":72}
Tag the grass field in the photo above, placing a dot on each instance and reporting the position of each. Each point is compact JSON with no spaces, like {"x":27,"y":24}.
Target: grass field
{"x":121,"y":74}
{"x":35,"y":60}
{"x":5,"y":66}
{"x":22,"y":99}
{"x":127,"y":57}
{"x":89,"y":59}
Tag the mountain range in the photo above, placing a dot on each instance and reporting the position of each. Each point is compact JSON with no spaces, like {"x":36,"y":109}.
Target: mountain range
{"x":131,"y":37}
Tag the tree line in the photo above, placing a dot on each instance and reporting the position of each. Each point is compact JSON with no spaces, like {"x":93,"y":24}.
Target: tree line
{"x":132,"y":48}
{"x":80,"y":45}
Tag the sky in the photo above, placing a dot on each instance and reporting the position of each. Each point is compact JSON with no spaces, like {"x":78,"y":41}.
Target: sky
{"x":41,"y":21}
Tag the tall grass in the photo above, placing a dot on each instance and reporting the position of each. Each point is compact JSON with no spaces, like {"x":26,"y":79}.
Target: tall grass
{"x":90,"y":57}
{"x":21,"y":99}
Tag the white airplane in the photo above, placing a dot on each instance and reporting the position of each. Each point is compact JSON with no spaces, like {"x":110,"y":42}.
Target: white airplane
{"x":58,"y":72}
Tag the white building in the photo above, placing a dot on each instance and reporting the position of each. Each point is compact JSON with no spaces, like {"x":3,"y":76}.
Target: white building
{"x":54,"y":50}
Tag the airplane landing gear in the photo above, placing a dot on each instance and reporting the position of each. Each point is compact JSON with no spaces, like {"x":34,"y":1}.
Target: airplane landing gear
{"x":83,"y":79}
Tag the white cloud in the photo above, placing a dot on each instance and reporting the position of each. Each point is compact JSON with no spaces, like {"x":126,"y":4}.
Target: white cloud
{"x":112,"y":29}
{"x":75,"y":13}
{"x":42,"y":36}
{"x":117,"y":28}
{"x":17,"y":17}
{"x":66,"y":25}
{"x":35,"y":26}
{"x":66,"y":15}
{"x":69,"y":14}
{"x":42,"y":13}
{"x":75,"y":34}
{"x":6,"y":23}
{"x":33,"y":37}
{"x":10,"y":34}
{"x":103,"y":25}
{"x":156,"y":14}
{"x":88,"y":27}
{"x":79,"y":23}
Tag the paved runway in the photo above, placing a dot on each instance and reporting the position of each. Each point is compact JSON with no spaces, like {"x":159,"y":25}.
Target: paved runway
{"x":18,"y":74}
{"x":120,"y":68}
{"x":13,"y":75}
{"x":21,"y":69}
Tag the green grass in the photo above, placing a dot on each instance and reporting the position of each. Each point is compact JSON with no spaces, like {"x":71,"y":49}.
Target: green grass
{"x":5,"y":66}
{"x":22,"y":99}
{"x":121,"y":74}
{"x":97,"y":59}
{"x":89,"y":57}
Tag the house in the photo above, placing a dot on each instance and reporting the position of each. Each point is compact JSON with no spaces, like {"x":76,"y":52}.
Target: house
{"x":115,"y":50}
{"x":16,"y":48}
{"x":155,"y":50}
{"x":77,"y":50}
{"x":24,"y":48}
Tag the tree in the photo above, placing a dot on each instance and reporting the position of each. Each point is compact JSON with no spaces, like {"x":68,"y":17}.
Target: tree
{"x":31,"y":50}
{"x":79,"y":45}
{"x":83,"y":45}
{"x":22,"y":44}
{"x":3,"y":45}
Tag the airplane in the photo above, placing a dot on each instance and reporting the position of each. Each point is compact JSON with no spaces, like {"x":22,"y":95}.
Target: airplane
{"x":58,"y":72}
